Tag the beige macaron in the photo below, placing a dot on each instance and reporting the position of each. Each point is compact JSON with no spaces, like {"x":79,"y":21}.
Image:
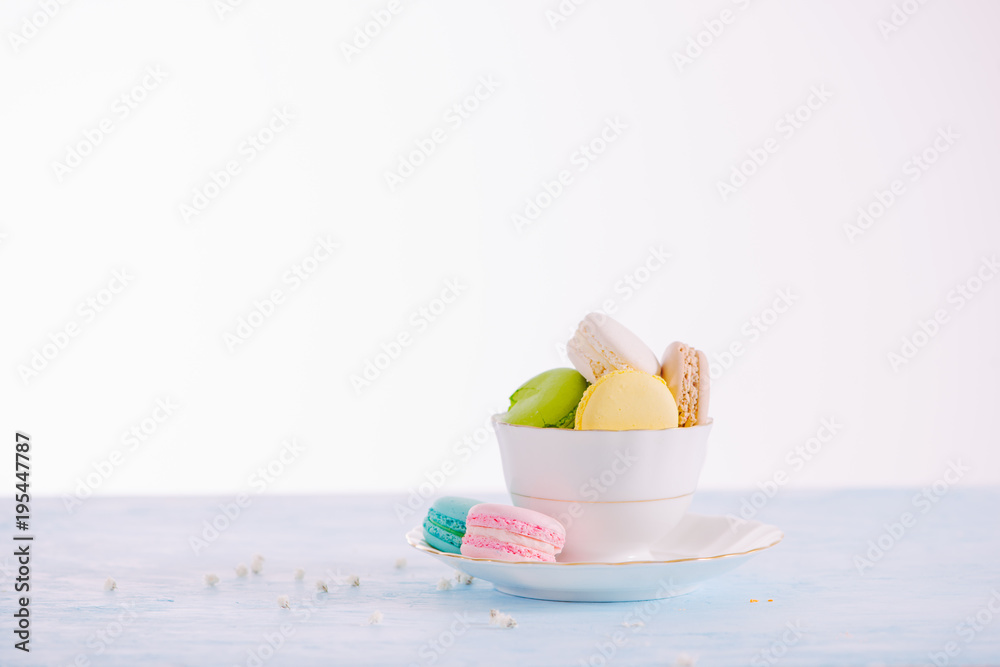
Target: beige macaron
{"x":686,"y":373}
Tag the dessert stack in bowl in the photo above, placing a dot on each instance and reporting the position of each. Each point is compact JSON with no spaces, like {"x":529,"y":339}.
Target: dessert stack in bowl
{"x":601,"y":460}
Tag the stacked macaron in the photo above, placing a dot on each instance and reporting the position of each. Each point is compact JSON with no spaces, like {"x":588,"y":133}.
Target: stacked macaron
{"x":493,"y":531}
{"x":502,"y":532}
{"x":686,"y":372}
{"x":618,"y":384}
{"x":444,"y":525}
{"x":548,"y":399}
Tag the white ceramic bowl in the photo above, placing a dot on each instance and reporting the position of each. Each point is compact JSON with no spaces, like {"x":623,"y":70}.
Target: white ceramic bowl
{"x":617,"y":492}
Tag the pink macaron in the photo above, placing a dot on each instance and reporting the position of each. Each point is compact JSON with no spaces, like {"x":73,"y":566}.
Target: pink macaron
{"x":502,"y":532}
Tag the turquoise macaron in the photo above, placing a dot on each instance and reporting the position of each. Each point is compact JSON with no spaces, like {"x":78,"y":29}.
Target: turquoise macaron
{"x":444,"y":526}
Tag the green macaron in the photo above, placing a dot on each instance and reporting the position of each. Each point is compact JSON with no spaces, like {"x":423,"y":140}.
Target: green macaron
{"x":548,"y":400}
{"x":444,"y":526}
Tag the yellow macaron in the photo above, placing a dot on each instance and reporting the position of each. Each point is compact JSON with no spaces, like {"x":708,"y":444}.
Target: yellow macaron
{"x":627,"y":400}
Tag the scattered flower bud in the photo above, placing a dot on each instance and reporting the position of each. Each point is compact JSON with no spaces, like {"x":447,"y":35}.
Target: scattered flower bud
{"x":501,"y":619}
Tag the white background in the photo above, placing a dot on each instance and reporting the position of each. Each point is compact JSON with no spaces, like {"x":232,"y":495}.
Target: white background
{"x":687,"y":127}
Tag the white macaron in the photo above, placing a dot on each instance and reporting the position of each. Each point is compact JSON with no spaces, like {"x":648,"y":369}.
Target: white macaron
{"x":602,"y":345}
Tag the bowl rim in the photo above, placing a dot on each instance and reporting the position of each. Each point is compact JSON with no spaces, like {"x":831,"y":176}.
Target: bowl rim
{"x":496,"y":419}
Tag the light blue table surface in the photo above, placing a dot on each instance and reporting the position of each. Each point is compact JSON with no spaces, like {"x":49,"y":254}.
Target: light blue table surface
{"x":929,"y":593}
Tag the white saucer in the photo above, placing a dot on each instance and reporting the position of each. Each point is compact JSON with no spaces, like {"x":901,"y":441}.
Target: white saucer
{"x":700,"y":547}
